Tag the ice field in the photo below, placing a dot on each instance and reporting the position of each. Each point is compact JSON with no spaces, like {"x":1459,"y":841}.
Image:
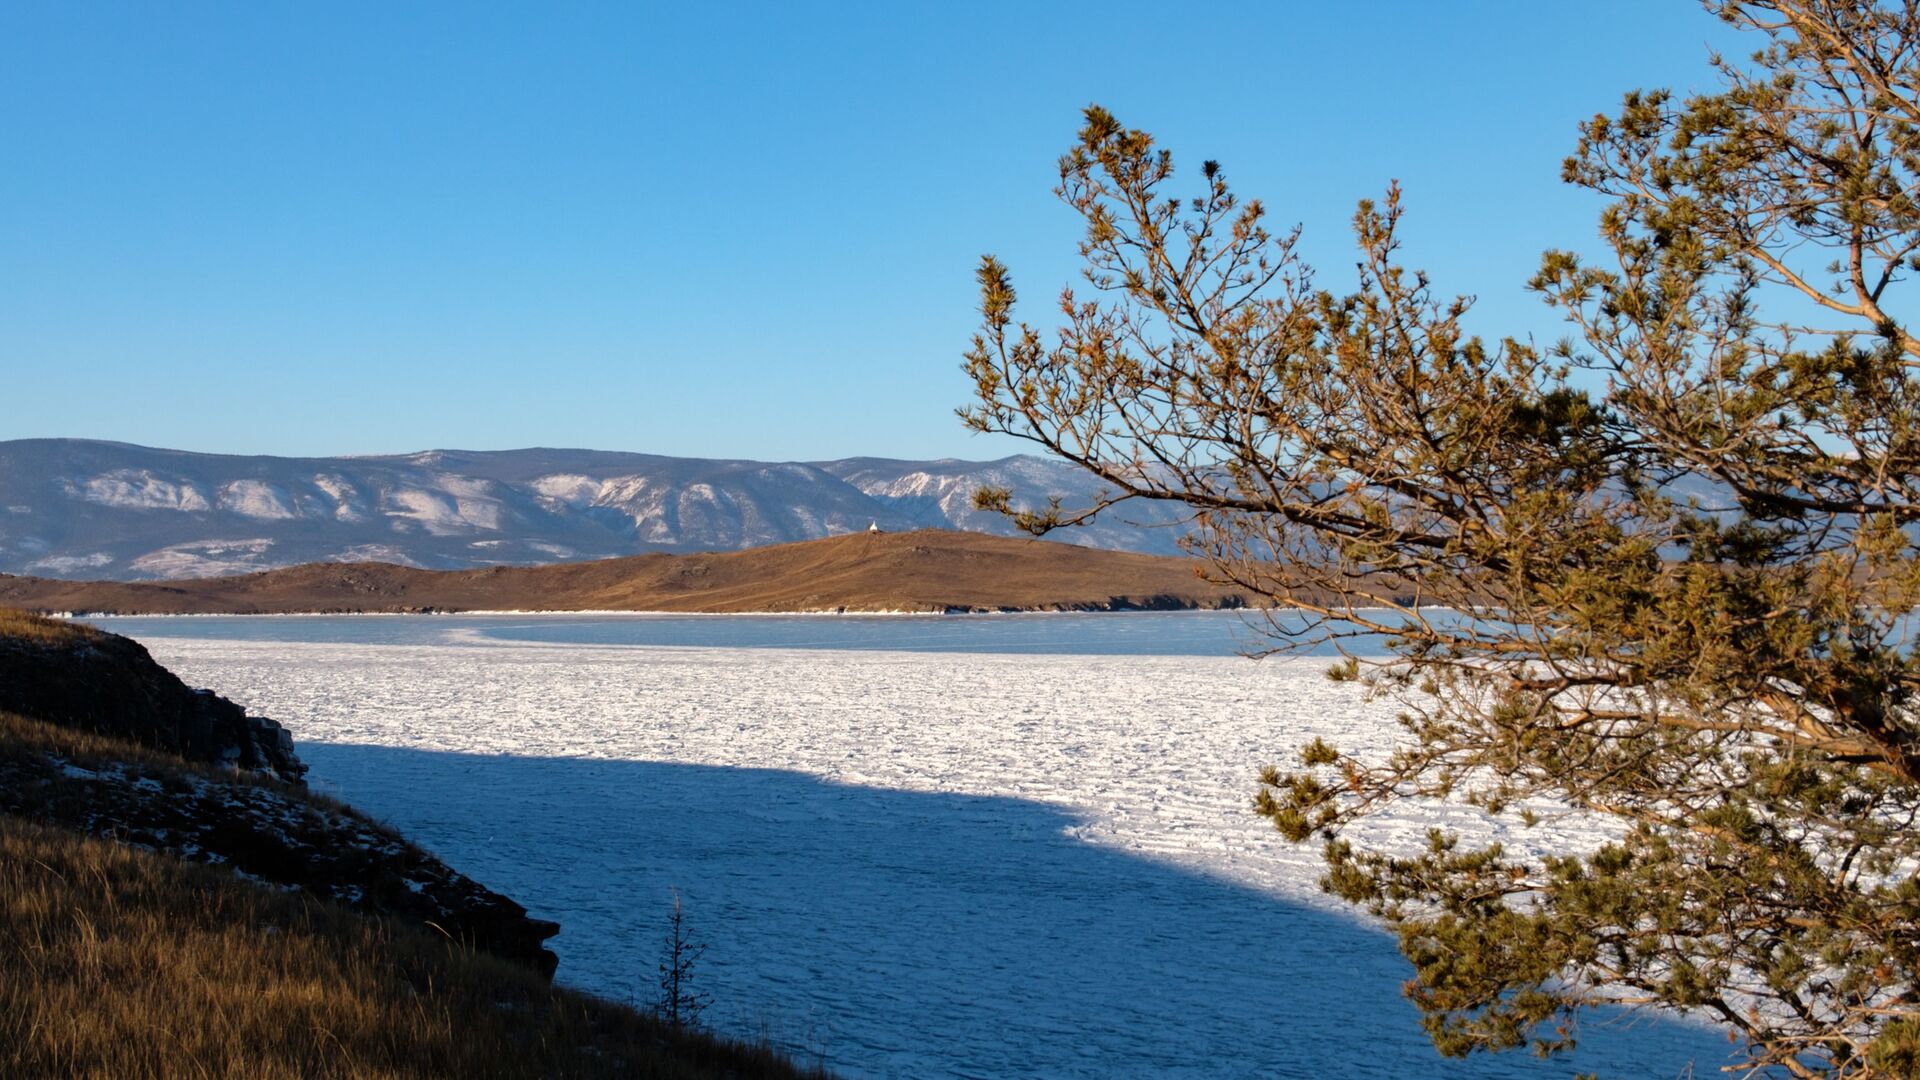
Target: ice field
{"x":906,"y":856}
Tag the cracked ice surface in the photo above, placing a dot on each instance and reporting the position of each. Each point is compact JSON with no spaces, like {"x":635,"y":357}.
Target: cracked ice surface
{"x":945,"y":864}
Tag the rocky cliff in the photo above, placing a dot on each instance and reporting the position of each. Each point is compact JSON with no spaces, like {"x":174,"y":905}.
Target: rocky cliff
{"x":97,"y":737}
{"x":108,"y":685}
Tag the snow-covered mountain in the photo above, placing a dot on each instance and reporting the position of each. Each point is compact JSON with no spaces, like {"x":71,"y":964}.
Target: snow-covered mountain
{"x":83,"y":509}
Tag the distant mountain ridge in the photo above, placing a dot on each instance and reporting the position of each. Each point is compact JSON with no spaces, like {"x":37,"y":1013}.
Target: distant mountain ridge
{"x":76,"y":508}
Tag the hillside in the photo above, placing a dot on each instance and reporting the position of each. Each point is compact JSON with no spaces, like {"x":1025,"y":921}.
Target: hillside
{"x":174,"y":903}
{"x":927,"y":570}
{"x":76,"y":508}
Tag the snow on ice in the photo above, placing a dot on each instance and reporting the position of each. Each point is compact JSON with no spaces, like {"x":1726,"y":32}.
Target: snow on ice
{"x":908,"y":864}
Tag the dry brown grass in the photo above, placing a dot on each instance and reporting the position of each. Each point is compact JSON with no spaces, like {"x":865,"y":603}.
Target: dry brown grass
{"x":19,"y":734}
{"x":25,"y":738}
{"x":26,"y":626}
{"x":928,"y":570}
{"x":120,"y":963}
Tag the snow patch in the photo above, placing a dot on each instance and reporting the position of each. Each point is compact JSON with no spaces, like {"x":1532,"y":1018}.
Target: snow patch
{"x":569,"y":489}
{"x":205,"y":558}
{"x":386,"y":553}
{"x":256,"y":499}
{"x":140,"y":489}
{"x":464,"y":486}
{"x":75,"y":772}
{"x":68,"y":564}
{"x":444,"y":514}
{"x":347,"y":502}
{"x":958,"y":864}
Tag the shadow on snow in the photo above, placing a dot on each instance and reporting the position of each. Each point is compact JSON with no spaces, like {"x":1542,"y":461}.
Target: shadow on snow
{"x":930,"y":934}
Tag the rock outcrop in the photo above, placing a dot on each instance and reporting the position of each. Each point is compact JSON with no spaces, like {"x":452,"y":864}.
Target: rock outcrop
{"x":64,"y":679}
{"x":109,"y":685}
{"x":275,"y":835}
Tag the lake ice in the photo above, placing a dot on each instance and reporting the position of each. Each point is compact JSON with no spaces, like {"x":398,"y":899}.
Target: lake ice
{"x":958,"y":847}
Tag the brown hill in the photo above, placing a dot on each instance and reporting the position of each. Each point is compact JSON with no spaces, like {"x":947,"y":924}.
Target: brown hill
{"x":929,"y":570}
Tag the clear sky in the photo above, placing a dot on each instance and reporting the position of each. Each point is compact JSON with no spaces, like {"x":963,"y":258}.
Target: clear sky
{"x":739,"y":230}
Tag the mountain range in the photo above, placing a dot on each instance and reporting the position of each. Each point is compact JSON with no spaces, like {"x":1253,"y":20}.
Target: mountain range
{"x":84,"y":509}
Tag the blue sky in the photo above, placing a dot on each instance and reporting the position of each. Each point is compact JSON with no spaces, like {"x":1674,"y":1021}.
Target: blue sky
{"x":721,"y":230}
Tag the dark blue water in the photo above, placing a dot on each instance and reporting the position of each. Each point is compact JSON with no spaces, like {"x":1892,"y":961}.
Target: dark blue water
{"x":1182,"y":633}
{"x":938,"y":933}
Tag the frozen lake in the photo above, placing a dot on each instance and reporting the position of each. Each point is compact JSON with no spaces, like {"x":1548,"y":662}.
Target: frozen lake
{"x":1179,"y":633}
{"x":915,"y":846}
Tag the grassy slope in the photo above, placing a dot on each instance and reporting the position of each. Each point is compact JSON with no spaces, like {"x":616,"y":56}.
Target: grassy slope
{"x":930,"y":570}
{"x":117,"y":961}
{"x":123,"y":963}
{"x":34,"y":630}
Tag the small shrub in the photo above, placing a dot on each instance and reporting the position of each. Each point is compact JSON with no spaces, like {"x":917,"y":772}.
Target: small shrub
{"x":681,"y":1003}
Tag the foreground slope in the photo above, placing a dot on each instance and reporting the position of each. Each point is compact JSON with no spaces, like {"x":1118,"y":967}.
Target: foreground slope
{"x":124,"y":963}
{"x":928,"y":570}
{"x":170,"y":910}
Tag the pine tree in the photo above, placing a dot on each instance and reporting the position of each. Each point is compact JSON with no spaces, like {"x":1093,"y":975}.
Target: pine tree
{"x":1663,"y":571}
{"x":681,"y":1002}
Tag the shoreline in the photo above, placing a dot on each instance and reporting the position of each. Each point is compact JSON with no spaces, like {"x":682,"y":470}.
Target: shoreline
{"x":819,"y":613}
